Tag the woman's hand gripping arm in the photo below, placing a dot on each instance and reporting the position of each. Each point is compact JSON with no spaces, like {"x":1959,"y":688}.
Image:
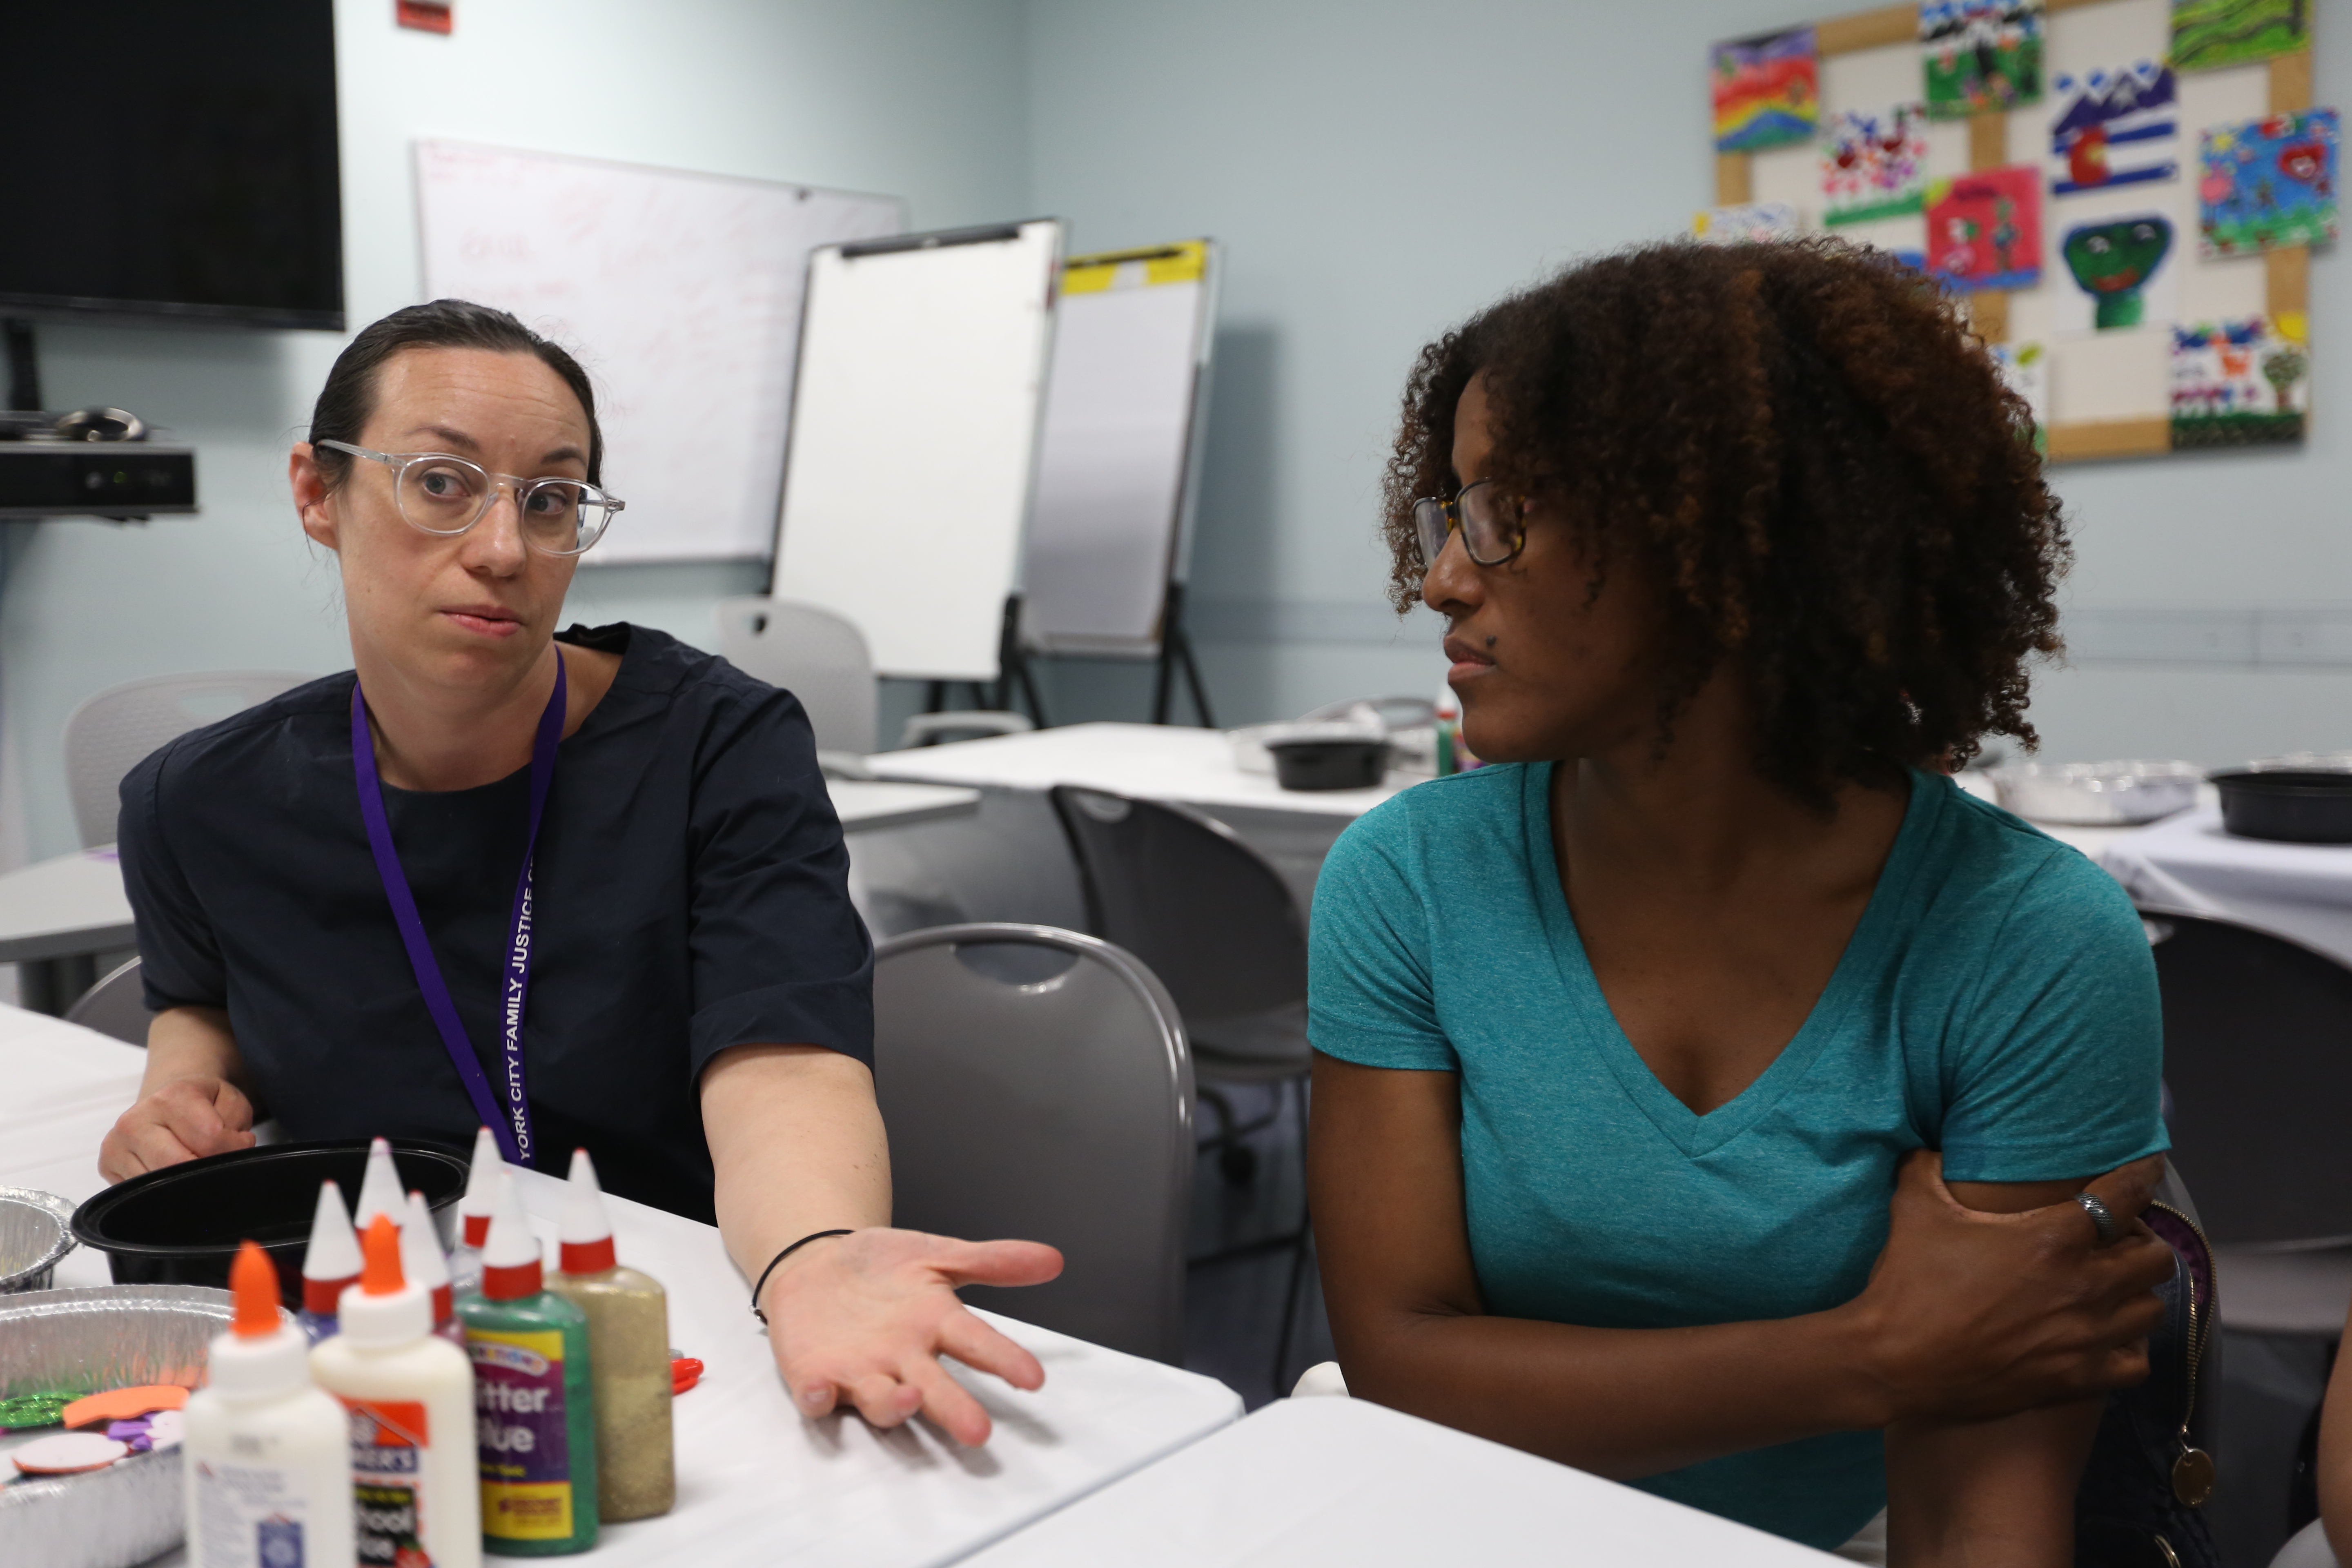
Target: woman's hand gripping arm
{"x":1968,"y":1315}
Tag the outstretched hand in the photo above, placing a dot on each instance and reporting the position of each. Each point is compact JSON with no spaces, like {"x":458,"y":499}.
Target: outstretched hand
{"x":1977,"y":1315}
{"x":862,"y":1320}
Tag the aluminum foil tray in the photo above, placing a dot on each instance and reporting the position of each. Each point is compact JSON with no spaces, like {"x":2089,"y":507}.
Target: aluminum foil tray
{"x":36,"y":1231}
{"x":80,"y":1342}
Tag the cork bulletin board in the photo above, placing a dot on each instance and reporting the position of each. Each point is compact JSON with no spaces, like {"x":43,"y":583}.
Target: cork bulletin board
{"x":2123,"y":192}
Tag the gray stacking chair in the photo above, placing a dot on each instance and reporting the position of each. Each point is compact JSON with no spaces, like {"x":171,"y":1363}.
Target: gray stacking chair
{"x":818,"y":657}
{"x":115,"y":1006}
{"x":1217,"y":923}
{"x":1035,"y":1084}
{"x":2258,"y":1064}
{"x":823,"y":659}
{"x":2258,"y":1060}
{"x":114,"y":731}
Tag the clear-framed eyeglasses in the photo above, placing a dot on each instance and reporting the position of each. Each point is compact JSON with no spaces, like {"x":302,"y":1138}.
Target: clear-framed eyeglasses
{"x":441,"y":493}
{"x":1493,"y":523}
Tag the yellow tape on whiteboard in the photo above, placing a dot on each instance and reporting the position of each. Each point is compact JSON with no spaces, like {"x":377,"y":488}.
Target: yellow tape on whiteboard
{"x":1186,"y":261}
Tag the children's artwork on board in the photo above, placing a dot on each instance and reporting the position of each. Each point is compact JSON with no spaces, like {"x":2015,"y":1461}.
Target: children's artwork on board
{"x":2240,"y":383}
{"x":1749,"y":222}
{"x":1981,"y":55}
{"x":2123,"y":273}
{"x":2110,"y":128}
{"x":2025,"y":370}
{"x":1874,"y":163}
{"x":1767,"y":90}
{"x":2270,"y":182}
{"x":2210,"y":34}
{"x":1984,"y":229}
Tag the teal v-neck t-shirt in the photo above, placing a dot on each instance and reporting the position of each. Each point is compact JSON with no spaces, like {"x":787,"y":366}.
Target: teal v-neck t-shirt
{"x":1996,"y":1002}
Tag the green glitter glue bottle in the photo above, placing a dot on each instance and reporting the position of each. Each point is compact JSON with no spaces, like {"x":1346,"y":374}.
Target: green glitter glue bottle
{"x":535,"y":1414}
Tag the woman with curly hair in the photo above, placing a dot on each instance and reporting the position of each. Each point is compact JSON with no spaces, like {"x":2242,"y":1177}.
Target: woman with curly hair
{"x":1703,"y":1088}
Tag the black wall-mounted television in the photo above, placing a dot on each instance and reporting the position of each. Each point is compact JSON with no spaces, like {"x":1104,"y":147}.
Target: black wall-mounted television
{"x":171,"y":158}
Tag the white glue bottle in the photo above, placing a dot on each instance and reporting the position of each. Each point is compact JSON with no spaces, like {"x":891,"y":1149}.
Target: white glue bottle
{"x":475,"y":1212}
{"x":330,"y":1264}
{"x":410,"y":1396}
{"x":424,"y":1263}
{"x":380,"y":1188}
{"x":268,"y":1457}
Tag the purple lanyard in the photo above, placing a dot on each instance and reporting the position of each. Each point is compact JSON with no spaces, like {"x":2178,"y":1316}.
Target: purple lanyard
{"x":512,"y":1125}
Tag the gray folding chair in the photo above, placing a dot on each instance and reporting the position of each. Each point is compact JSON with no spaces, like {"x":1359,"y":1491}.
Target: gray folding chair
{"x":823,"y":659}
{"x":116,"y":1006}
{"x":818,"y":657}
{"x":114,"y":731}
{"x":1035,"y":1084}
{"x":1217,"y":923}
{"x":2258,"y":1069}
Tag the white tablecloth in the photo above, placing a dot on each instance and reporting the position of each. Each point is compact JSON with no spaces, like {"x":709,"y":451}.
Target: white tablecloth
{"x":757,"y":1484}
{"x":2303,"y":891}
{"x":1343,"y":1482}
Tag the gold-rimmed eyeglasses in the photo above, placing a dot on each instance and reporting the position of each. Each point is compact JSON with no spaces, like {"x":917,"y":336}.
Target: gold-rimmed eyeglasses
{"x":1493,"y":523}
{"x":443,"y":494}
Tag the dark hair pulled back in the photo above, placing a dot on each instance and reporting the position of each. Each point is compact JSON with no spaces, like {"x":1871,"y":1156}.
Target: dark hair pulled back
{"x":348,"y":400}
{"x":1805,"y":444}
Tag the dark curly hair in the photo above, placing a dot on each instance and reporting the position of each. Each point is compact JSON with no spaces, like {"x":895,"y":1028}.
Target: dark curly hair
{"x":1814,"y":455}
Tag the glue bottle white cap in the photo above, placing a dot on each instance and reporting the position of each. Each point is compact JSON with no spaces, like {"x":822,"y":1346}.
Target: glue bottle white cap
{"x":512,"y":1262}
{"x":379,"y":1189}
{"x":585,"y":1233}
{"x":422,"y":1261}
{"x":384,"y":1310}
{"x":481,"y":1199}
{"x":332,"y":1261}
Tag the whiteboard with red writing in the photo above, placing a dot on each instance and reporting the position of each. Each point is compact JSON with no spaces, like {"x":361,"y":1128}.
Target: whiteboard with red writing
{"x":680,"y":292}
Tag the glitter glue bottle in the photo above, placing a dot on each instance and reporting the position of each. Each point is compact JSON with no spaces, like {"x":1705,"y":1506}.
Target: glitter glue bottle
{"x":536,"y":1428}
{"x":422,"y":1260}
{"x":409,"y":1397}
{"x":474,"y":1212}
{"x":330,"y":1264}
{"x":267,"y":1458}
{"x":628,"y":1343}
{"x":380,"y":1188}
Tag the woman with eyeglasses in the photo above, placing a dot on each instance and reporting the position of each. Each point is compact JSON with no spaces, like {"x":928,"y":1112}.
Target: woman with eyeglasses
{"x":1709,"y":1093}
{"x":584,"y":887}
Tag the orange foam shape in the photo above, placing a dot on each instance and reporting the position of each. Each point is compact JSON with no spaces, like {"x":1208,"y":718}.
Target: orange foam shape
{"x":124,"y":1403}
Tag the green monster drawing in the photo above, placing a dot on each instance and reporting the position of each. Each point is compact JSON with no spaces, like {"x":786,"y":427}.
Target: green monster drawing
{"x":2112,"y":260}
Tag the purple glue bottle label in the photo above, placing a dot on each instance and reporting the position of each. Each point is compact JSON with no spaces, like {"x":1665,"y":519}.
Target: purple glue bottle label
{"x":521,"y":1426}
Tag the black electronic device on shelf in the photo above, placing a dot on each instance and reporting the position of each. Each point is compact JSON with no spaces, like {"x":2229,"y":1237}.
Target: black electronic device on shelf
{"x":90,"y":462}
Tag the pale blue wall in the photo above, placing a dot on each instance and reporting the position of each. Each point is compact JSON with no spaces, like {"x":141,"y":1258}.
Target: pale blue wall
{"x":1377,"y":169}
{"x":921,"y":98}
{"x":1380,"y":168}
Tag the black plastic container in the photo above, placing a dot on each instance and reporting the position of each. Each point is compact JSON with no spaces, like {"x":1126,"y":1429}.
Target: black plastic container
{"x":1328,"y":764}
{"x":2293,"y":807}
{"x":183,"y":1225}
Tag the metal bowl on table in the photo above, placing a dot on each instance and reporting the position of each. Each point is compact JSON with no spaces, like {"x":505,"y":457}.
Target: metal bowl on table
{"x":36,"y":1232}
{"x":2290,"y":805}
{"x":84,"y":1341}
{"x":2097,"y":795}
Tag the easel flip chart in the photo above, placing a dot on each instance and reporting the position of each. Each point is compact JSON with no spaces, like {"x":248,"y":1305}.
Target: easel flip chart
{"x":1115,"y":465}
{"x":913,"y":443}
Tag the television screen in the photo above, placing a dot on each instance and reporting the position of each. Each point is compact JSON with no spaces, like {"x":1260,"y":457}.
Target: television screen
{"x":170,"y":158}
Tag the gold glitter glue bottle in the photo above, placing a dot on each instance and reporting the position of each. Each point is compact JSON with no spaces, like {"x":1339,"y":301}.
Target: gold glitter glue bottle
{"x":628,"y":1340}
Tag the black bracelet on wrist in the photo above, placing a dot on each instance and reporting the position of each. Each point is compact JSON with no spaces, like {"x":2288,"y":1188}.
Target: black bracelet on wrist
{"x":771,"y":1268}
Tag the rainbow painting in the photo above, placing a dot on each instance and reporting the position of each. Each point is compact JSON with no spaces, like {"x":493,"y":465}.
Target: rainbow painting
{"x":1767,"y":90}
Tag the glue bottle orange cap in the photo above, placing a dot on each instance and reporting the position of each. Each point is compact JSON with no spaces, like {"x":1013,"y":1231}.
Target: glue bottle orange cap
{"x":384,"y":1310}
{"x":253,"y":1283}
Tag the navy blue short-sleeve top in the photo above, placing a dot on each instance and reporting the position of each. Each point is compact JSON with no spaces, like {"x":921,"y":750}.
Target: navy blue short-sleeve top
{"x":691,"y":895}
